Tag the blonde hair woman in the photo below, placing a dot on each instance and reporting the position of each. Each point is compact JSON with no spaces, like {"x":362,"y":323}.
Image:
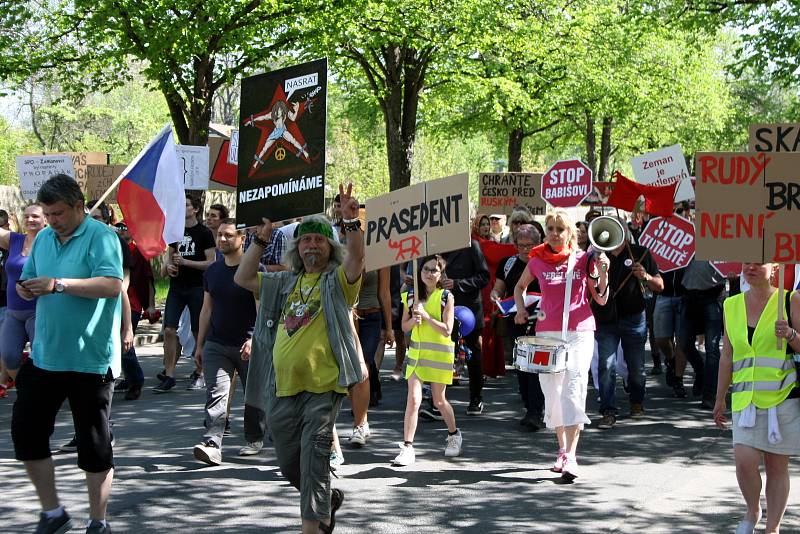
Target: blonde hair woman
{"x":565,"y":392}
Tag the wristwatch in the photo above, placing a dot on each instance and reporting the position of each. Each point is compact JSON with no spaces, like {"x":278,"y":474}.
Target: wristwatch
{"x":58,"y":286}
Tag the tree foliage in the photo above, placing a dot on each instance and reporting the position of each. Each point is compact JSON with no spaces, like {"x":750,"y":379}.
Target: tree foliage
{"x":186,"y":49}
{"x":397,"y":53}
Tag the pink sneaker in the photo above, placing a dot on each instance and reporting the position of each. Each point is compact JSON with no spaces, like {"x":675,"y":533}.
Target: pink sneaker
{"x":558,"y":466}
{"x":569,"y":470}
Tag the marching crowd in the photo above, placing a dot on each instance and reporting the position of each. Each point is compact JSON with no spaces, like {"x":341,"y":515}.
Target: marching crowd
{"x":289,"y":309}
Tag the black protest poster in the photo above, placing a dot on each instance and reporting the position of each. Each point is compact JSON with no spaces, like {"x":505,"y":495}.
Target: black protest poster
{"x":281,"y":171}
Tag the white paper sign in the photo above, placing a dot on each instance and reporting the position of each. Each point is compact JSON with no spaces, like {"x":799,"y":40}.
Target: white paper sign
{"x":233,"y":148}
{"x":193,"y":162}
{"x":664,"y":167}
{"x":33,"y":171}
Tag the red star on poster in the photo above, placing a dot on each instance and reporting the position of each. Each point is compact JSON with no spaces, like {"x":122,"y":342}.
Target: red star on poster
{"x":278,"y":125}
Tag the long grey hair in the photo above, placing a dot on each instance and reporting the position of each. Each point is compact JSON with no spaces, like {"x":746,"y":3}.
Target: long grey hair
{"x":292,"y":259}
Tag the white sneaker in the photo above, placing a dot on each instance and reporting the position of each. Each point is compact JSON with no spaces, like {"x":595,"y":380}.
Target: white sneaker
{"x":208,"y":452}
{"x":336,"y":459}
{"x":406,"y":456}
{"x":360,"y":435}
{"x":251,"y":448}
{"x":452,"y":445}
{"x":569,"y":471}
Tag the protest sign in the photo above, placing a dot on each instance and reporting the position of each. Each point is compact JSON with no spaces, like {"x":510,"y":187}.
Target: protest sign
{"x":222,"y":174}
{"x":727,"y":268}
{"x":281,"y":171}
{"x":99,"y":178}
{"x":567,"y":183}
{"x":747,"y":204}
{"x":664,"y":167}
{"x":416,"y":221}
{"x":782,"y":137}
{"x":501,"y":192}
{"x":233,"y":149}
{"x":81,"y":160}
{"x":33,"y":171}
{"x":670,"y":241}
{"x":193,"y":163}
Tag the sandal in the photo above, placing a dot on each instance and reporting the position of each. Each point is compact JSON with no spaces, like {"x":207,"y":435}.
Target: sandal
{"x":337,"y":498}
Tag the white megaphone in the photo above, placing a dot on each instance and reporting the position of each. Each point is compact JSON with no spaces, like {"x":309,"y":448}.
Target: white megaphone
{"x":606,"y":233}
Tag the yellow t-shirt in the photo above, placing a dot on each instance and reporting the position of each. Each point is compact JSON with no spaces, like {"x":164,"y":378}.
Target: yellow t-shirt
{"x":302,"y":356}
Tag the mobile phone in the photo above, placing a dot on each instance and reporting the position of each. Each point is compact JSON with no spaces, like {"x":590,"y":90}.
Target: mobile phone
{"x":20,"y":282}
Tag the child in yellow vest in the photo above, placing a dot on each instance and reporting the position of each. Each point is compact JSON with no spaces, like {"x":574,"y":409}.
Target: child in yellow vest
{"x":429,"y":318}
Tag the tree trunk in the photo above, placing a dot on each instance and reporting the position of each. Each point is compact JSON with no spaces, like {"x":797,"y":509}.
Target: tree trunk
{"x":515,"y":138}
{"x":403,"y":86}
{"x":591,"y":145}
{"x":191,"y":114}
{"x":605,"y":148}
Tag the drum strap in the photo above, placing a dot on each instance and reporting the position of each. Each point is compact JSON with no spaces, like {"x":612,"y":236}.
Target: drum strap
{"x":567,"y":296}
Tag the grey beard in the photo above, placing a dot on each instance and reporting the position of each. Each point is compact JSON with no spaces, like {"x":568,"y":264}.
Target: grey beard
{"x":311,"y":259}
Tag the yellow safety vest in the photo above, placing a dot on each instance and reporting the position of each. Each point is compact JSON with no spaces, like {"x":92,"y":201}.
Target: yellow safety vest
{"x":762,"y":375}
{"x":430,"y":354}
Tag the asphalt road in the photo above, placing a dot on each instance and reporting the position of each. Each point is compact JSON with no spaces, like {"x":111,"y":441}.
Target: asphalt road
{"x":669,"y":472}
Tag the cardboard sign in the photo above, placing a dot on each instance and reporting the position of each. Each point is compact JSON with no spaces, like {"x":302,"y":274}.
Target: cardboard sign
{"x":193,"y":161}
{"x":501,"y":192}
{"x":670,"y":240}
{"x":281,"y":171}
{"x":664,"y":167}
{"x":33,"y":171}
{"x":783,"y":137}
{"x":233,"y":148}
{"x":416,"y":221}
{"x":99,"y":178}
{"x":747,"y":207}
{"x":81,"y":160}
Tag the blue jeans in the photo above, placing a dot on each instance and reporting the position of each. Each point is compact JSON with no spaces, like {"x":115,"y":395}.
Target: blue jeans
{"x":703,"y":315}
{"x":369,"y":333}
{"x":131,"y":369}
{"x":631,"y":331}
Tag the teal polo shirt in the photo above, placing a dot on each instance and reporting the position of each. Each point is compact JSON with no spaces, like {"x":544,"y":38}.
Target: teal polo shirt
{"x":76,"y":333}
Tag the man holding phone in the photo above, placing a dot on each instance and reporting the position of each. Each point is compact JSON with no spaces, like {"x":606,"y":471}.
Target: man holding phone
{"x":75,"y":270}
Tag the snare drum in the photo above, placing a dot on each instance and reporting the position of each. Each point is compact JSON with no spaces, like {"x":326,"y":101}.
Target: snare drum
{"x":538,"y":354}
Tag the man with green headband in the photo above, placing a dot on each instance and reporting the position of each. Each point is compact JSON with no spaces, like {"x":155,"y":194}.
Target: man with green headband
{"x":304,"y":354}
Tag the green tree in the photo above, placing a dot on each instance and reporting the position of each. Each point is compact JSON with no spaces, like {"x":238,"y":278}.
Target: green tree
{"x":14,"y":141}
{"x":398,"y":53}
{"x":120,"y":122}
{"x":185,"y":49}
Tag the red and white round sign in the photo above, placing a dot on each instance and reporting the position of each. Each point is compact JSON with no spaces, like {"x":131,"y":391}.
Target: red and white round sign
{"x":727,"y":268}
{"x":670,"y":240}
{"x":566,"y":183}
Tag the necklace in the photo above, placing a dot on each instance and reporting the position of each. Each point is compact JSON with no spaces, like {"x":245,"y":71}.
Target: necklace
{"x":301,"y":309}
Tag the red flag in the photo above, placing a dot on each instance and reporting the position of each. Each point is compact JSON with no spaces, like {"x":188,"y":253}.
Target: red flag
{"x":658,"y":199}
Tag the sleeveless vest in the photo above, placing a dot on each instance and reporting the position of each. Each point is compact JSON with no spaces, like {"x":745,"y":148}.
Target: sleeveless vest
{"x":762,"y":374}
{"x":430,"y":354}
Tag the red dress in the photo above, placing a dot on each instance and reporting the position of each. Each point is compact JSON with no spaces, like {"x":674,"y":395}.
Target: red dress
{"x":492,"y":354}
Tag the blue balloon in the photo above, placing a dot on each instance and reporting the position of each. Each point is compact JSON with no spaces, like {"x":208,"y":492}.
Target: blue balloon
{"x":466,"y":320}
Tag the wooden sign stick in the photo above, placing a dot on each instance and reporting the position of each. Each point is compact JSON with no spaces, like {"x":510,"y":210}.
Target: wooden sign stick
{"x":780,"y":300}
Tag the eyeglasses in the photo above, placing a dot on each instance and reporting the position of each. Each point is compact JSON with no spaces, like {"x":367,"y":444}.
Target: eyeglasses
{"x":429,"y":270}
{"x":494,"y":218}
{"x":525,"y":245}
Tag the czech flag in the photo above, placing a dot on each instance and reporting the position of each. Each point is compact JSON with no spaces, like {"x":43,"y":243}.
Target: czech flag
{"x":152,"y":198}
